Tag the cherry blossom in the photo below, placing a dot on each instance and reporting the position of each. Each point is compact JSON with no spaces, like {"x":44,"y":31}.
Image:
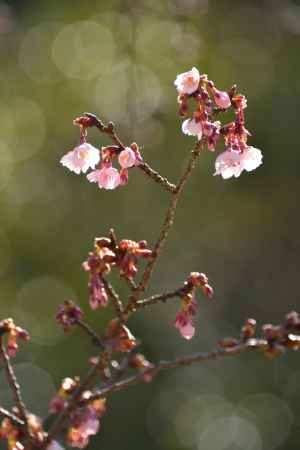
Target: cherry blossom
{"x":222,"y":99}
{"x":192,"y":127}
{"x":81,"y":158}
{"x":232,"y":163}
{"x":127,"y":158}
{"x":184,"y":317}
{"x":187,"y":82}
{"x":107,"y":178}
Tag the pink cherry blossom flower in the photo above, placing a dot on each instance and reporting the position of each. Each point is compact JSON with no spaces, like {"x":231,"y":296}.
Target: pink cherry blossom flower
{"x":107,"y":178}
{"x":252,"y":158}
{"x":127,"y":158}
{"x":81,"y":158}
{"x":222,"y":99}
{"x":232,"y":163}
{"x":228,"y":164}
{"x":192,"y":128}
{"x":187,"y":82}
{"x":184,"y":325}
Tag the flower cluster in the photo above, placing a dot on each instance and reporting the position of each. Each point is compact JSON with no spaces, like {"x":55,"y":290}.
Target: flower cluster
{"x":210,"y":101}
{"x":85,"y":157}
{"x":184,"y":320}
{"x":84,"y":421}
{"x":15,"y":435}
{"x":14,"y":332}
{"x":68,"y":314}
{"x":107,"y":254}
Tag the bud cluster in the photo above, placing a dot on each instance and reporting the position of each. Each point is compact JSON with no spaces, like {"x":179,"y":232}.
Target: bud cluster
{"x":210,"y":101}
{"x":68,"y":314}
{"x":107,"y":254}
{"x":276,"y":338}
{"x":8,"y":327}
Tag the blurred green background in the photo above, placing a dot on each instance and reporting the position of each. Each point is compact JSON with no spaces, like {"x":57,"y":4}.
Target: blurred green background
{"x":119,"y":59}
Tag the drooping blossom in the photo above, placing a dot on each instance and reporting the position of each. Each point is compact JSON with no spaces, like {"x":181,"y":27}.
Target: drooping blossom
{"x":184,"y":320}
{"x":7,"y":326}
{"x":222,"y":99}
{"x":127,"y":158}
{"x":98,"y":296}
{"x":107,"y":177}
{"x":81,"y":158}
{"x":187,"y":82}
{"x":232,"y":163}
{"x":192,"y":127}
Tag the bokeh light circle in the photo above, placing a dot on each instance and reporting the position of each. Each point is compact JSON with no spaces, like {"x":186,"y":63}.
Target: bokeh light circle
{"x":83,"y":50}
{"x":37,"y":302}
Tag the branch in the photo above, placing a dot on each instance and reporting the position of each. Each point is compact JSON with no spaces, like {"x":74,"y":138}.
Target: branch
{"x":91,"y":333}
{"x":109,"y":129}
{"x":249,"y":345}
{"x":12,"y":417}
{"x":14,"y":385}
{"x":158,"y":298}
{"x":168,"y":222}
{"x":117,"y":303}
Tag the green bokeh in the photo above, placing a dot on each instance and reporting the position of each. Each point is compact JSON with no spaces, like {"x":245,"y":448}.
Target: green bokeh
{"x":119,"y":59}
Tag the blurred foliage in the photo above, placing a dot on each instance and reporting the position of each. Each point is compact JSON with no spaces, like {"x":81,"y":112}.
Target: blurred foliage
{"x":119,"y":59}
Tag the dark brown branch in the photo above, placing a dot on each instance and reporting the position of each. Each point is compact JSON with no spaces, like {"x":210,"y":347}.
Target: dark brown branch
{"x":118,"y":305}
{"x":250,"y":345}
{"x":157,"y":177}
{"x":158,"y":298}
{"x":14,"y":385}
{"x":168,"y":222}
{"x":90,"y":332}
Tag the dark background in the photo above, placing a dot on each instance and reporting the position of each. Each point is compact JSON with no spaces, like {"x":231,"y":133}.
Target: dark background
{"x":119,"y":59}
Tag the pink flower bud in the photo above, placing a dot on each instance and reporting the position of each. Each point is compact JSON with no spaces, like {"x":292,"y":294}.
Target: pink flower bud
{"x":222,"y":99}
{"x":127,"y":158}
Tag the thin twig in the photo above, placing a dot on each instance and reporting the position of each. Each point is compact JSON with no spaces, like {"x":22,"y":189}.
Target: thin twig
{"x":168,"y":222}
{"x":14,"y":385}
{"x":251,"y":344}
{"x":158,"y":298}
{"x":117,"y":303}
{"x":109,"y":129}
{"x":157,"y":177}
{"x":14,"y":419}
{"x":91,"y":333}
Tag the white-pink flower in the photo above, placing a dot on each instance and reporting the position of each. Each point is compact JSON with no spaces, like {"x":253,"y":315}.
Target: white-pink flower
{"x":192,"y":128}
{"x":127,"y":158}
{"x":81,"y":158}
{"x":232,"y":163}
{"x":187,"y":82}
{"x":185,"y":325}
{"x":222,"y":99}
{"x":107,"y":178}
{"x":252,"y":158}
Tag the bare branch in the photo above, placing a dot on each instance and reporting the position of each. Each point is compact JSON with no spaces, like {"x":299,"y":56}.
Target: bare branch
{"x":13,"y":383}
